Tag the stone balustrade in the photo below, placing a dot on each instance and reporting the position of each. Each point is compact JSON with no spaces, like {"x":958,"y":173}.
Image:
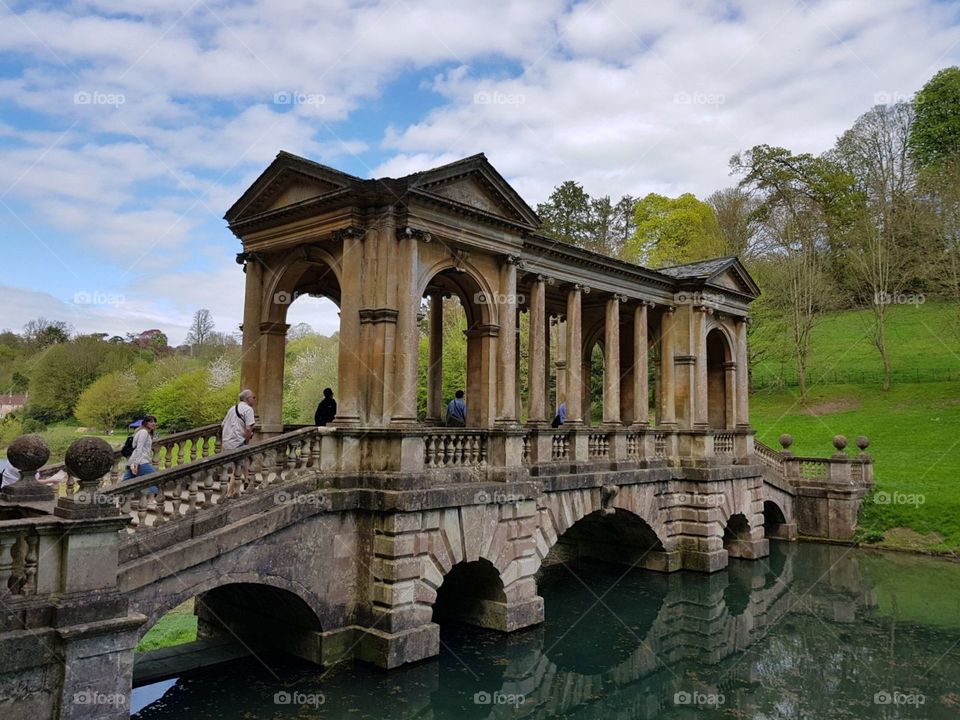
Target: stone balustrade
{"x":459,"y":448}
{"x":19,"y":556}
{"x":170,"y":451}
{"x":152,"y":500}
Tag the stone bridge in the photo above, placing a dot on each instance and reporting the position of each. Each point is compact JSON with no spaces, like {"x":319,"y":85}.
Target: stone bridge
{"x":357,"y":539}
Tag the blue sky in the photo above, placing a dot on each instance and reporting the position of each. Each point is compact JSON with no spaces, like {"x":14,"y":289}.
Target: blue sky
{"x":127,"y":128}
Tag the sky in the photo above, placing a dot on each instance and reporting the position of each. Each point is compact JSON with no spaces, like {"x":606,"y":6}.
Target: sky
{"x":127,"y":128}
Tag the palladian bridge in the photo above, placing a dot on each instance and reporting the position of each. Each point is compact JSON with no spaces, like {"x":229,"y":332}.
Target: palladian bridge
{"x":355,"y":540}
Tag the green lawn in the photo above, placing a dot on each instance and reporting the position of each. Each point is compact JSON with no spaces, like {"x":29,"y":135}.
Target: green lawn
{"x":922,"y":341}
{"x":914,"y":432}
{"x":175,"y":628}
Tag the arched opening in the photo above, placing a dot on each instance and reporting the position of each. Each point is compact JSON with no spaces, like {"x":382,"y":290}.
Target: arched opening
{"x":736,"y":536}
{"x":471,"y":593}
{"x":719,"y":378}
{"x":620,"y":537}
{"x":456,"y":351}
{"x":774,"y":521}
{"x":299,"y":345}
{"x":226,"y":623}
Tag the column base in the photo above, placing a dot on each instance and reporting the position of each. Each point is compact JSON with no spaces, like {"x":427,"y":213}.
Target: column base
{"x":390,"y":650}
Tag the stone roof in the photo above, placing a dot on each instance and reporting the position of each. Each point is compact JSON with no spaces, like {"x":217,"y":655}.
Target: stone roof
{"x":702,"y":269}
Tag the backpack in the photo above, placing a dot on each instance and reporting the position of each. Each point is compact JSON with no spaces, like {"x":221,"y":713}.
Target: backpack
{"x":127,"y":449}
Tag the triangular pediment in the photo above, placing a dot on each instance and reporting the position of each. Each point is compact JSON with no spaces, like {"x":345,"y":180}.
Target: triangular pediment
{"x":288,"y":180}
{"x":475,"y":183}
{"x":736,"y":278}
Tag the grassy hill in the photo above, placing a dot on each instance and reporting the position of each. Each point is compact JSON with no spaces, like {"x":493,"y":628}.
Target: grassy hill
{"x":914,"y":428}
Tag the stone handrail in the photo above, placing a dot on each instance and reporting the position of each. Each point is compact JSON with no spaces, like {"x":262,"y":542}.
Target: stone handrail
{"x":19,"y":557}
{"x":174,"y":493}
{"x":723,"y":443}
{"x":174,"y":449}
{"x":455,"y":448}
{"x":598,"y":445}
{"x":837,"y":468}
{"x":769,"y":457}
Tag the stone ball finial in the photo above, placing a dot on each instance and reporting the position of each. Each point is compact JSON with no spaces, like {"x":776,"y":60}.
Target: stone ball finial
{"x":839,"y":442}
{"x":28,"y":453}
{"x":863,"y":442}
{"x":786,"y":440}
{"x":89,"y":459}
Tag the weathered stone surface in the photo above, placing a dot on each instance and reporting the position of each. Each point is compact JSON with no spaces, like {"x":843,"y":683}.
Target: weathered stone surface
{"x":89,"y":458}
{"x":27,"y":453}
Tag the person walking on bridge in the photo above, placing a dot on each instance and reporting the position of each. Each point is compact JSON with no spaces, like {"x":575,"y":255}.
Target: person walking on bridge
{"x":236,"y":430}
{"x":141,"y":459}
{"x":457,"y":411}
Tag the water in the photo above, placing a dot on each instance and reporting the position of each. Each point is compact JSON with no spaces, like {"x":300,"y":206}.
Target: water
{"x":814,"y":631}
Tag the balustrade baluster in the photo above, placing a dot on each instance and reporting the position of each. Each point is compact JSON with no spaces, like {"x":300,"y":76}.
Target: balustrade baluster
{"x":428,"y":449}
{"x":177,"y":499}
{"x":192,"y":494}
{"x":7,"y":543}
{"x":142,"y":509}
{"x":30,"y":566}
{"x":207,"y":488}
{"x":193,"y":448}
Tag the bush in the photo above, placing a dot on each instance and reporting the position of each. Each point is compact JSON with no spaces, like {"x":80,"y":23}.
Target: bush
{"x":189,"y":400}
{"x":109,"y":399}
{"x":32,"y":425}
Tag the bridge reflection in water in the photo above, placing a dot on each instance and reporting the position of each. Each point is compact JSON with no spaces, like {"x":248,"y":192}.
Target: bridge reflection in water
{"x":799,"y":635}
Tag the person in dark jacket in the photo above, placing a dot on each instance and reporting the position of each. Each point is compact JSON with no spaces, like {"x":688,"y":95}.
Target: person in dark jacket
{"x":326,"y":410}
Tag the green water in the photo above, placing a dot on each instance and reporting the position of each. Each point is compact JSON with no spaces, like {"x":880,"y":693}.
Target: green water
{"x":813,"y":631}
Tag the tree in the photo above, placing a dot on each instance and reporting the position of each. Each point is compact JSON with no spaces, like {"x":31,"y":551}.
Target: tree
{"x":42,"y":333}
{"x":566,"y":214}
{"x":298,"y":331}
{"x":935,"y":137}
{"x":63,"y":371}
{"x":883,"y":248}
{"x":672,"y":231}
{"x":111,"y":398}
{"x":200,"y":328}
{"x":739,"y":227}
{"x":804,"y":203}
{"x":188,"y":401}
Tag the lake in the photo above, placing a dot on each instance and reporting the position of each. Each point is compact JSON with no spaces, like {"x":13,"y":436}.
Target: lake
{"x":813,"y":631}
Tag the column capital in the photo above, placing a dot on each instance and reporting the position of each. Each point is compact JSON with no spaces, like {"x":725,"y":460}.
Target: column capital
{"x":545,"y":279}
{"x":579,"y":287}
{"x":514,"y":260}
{"x":670,"y":309}
{"x":460,"y":259}
{"x":273,"y":328}
{"x":620,"y":296}
{"x":347,"y":233}
{"x":407,"y":232}
{"x":705,"y":309}
{"x":743,"y":319}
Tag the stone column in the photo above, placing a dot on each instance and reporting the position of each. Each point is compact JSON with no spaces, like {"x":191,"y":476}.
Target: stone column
{"x":574,"y":364}
{"x":561,"y":361}
{"x":701,"y":415}
{"x":435,"y":369}
{"x":403,"y":408}
{"x":742,"y":384}
{"x":667,"y":345}
{"x":270,"y":396}
{"x":507,"y":362}
{"x":730,"y":394}
{"x":547,"y":370}
{"x":537,"y":369}
{"x":252,"y":300}
{"x":350,"y":364}
{"x":641,"y":407}
{"x":611,"y":362}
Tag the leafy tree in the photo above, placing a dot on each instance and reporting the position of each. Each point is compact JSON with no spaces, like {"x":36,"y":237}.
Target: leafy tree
{"x":298,"y":331}
{"x":188,"y":401}
{"x":63,"y":371}
{"x":805,"y":203}
{"x":566,"y":214}
{"x":109,"y":399}
{"x":42,"y":333}
{"x":935,"y":137}
{"x":671,"y":231}
{"x":736,"y":218}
